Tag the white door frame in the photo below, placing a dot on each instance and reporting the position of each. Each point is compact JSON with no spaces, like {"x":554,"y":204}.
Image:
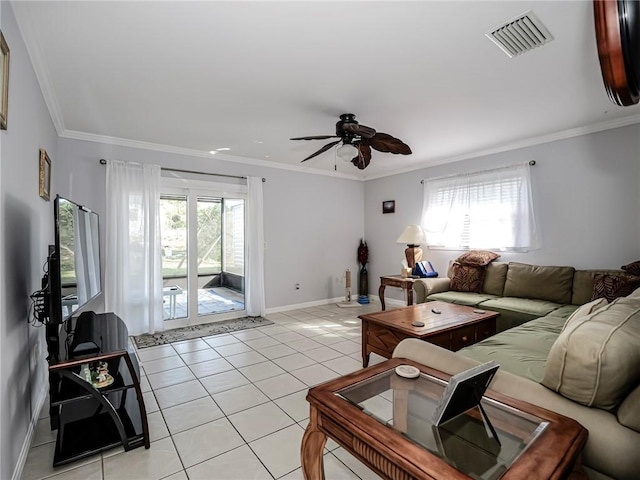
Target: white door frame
{"x":193,"y":189}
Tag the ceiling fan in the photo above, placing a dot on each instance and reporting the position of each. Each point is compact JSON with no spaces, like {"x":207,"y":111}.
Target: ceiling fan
{"x":357,"y":142}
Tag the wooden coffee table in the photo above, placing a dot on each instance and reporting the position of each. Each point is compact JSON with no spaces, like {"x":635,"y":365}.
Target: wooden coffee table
{"x":456,"y":326}
{"x":384,"y":421}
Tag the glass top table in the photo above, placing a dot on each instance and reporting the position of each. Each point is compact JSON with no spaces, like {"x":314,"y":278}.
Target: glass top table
{"x":465,"y":442}
{"x":385,"y":421}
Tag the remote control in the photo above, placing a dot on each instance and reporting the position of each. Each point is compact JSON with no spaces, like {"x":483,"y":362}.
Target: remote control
{"x":477,"y":310}
{"x":417,"y":324}
{"x":435,"y":310}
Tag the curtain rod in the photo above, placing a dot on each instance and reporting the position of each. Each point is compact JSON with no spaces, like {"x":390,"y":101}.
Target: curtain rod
{"x":104,"y":162}
{"x":531,"y":163}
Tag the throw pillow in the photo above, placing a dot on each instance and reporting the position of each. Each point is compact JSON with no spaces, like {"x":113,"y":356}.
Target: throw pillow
{"x":479,"y":258}
{"x":466,"y":278}
{"x":595,"y":362}
{"x":611,"y":287}
{"x":632,"y":268}
{"x":584,"y":311}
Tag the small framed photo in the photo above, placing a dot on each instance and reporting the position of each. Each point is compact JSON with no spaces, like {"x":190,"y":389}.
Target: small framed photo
{"x":4,"y":78}
{"x":389,"y":206}
{"x":45,"y":174}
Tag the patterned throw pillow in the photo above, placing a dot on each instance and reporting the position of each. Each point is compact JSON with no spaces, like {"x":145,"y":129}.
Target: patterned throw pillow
{"x":479,"y":258}
{"x":632,"y":268}
{"x":611,"y":287}
{"x":466,"y":278}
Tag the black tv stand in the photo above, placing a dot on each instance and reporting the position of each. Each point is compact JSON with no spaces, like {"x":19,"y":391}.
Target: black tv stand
{"x":89,"y":419}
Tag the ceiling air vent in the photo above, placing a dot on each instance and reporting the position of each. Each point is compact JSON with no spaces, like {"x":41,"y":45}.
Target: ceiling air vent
{"x":520,"y":34}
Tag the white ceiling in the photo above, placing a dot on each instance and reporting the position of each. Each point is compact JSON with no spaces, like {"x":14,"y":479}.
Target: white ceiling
{"x":192,"y":77}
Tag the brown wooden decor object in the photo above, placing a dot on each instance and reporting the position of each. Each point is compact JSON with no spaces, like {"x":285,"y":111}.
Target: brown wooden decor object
{"x":617,"y":25}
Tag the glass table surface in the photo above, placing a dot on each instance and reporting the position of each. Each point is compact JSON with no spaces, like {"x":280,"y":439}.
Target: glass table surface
{"x":465,"y":442}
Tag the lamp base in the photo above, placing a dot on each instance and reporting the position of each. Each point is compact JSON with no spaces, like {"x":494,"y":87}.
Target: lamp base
{"x":413,"y":254}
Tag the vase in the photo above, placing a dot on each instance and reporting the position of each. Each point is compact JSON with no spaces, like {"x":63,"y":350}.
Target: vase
{"x":363,"y":283}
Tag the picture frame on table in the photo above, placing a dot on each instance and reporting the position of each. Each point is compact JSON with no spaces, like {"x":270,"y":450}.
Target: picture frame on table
{"x":45,"y":175}
{"x":4,"y":78}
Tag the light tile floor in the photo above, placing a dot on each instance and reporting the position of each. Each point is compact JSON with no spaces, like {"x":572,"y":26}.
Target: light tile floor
{"x":230,"y":406}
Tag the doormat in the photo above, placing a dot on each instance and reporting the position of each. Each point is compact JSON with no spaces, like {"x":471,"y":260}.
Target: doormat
{"x":196,"y":331}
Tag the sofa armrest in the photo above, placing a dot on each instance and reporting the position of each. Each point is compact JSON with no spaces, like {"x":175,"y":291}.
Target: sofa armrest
{"x":423,"y":287}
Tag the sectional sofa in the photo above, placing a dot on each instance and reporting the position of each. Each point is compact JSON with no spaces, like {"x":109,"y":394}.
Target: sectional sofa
{"x":557,"y":349}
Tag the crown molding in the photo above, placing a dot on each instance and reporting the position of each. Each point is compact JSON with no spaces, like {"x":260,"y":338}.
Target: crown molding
{"x":528,"y":142}
{"x":157,"y":147}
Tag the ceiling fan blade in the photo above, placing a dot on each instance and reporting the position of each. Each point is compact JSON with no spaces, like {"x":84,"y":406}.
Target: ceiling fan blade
{"x":316,"y":137}
{"x":357,"y":129}
{"x":323,"y":149}
{"x":384,"y":142}
{"x":364,"y":157}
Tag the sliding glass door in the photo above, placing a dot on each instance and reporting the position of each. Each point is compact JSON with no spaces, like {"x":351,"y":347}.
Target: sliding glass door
{"x":203,"y":254}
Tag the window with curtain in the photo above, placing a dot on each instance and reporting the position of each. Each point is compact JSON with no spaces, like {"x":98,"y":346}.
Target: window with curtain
{"x":492,"y":209}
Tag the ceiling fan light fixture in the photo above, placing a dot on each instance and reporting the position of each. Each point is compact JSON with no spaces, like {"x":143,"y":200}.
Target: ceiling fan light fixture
{"x":346,"y":152}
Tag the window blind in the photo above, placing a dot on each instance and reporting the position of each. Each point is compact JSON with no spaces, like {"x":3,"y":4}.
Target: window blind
{"x":491,"y":209}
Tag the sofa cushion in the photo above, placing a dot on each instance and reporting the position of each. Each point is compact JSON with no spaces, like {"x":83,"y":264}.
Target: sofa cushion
{"x":495,"y":275}
{"x":594,"y":360}
{"x":564,"y":311}
{"x":461,"y":298}
{"x":521,"y":350}
{"x":466,"y":278}
{"x":479,"y":258}
{"x":634,"y":294}
{"x":614,"y":286}
{"x":516,"y":311}
{"x":540,"y":282}
{"x":629,"y":410}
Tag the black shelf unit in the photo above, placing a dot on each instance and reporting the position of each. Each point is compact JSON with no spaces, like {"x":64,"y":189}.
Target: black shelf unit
{"x":90,"y":420}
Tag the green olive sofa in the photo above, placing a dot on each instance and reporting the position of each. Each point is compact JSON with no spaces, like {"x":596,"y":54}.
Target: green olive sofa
{"x":519,"y":292}
{"x":568,"y":354}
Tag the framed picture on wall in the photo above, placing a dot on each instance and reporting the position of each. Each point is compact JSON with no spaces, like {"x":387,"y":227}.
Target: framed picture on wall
{"x":4,"y":78}
{"x":389,"y":206}
{"x":45,"y":174}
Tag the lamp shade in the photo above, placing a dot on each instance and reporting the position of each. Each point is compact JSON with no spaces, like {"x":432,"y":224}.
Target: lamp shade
{"x":412,"y":235}
{"x":347,"y":151}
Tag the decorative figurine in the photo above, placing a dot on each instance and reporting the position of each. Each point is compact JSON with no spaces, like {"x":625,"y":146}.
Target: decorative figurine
{"x":363,"y":284}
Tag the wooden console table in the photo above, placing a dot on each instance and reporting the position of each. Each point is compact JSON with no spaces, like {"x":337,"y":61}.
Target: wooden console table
{"x":406,"y":283}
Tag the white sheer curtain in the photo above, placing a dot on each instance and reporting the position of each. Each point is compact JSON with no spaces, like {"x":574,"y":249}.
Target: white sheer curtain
{"x":133,"y":274}
{"x":255,"y":303}
{"x":491,"y":209}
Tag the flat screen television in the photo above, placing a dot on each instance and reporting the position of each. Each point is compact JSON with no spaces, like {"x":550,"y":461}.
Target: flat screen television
{"x":74,"y":261}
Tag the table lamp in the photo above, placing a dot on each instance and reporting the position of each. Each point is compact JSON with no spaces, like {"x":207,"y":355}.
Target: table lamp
{"x":413,"y":236}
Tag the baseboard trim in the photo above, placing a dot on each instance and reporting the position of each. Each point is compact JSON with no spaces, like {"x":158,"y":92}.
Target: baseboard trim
{"x":296,"y":306}
{"x":316,"y":303}
{"x":26,"y":445}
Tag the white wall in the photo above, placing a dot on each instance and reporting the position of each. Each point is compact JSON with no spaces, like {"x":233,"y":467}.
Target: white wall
{"x":26,"y":228}
{"x":586,"y":193}
{"x":313,"y":224}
